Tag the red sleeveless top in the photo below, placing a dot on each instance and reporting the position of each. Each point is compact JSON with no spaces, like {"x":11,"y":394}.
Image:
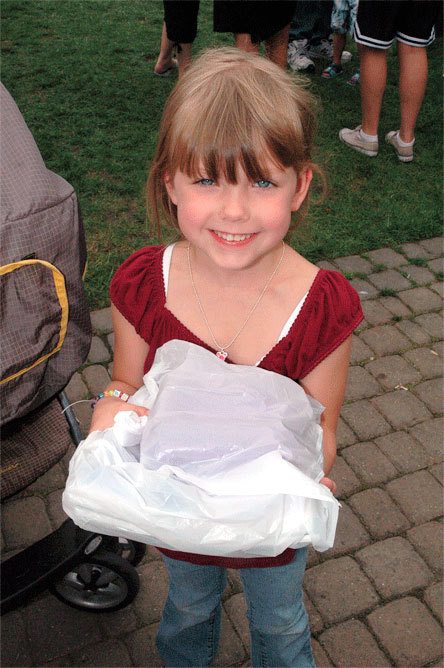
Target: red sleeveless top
{"x":330,"y":313}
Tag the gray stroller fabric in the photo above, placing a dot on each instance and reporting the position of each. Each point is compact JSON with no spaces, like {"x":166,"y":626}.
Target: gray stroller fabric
{"x":45,"y":326}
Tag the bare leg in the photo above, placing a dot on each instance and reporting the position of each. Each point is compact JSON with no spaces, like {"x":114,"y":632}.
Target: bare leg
{"x":183,"y":57}
{"x":243,"y":42}
{"x":338,"y":47}
{"x":413,"y":70}
{"x":165,"y":58}
{"x":373,"y":80}
{"x":276,"y":47}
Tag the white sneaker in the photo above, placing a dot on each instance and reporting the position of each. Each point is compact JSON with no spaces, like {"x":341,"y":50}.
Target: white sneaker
{"x":346,"y":57}
{"x":297,"y":58}
{"x":323,"y":50}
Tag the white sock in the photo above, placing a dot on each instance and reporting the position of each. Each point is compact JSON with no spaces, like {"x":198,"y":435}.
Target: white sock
{"x":404,"y":143}
{"x":367,"y":137}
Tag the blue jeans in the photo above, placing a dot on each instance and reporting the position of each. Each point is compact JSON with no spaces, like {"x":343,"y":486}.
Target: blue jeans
{"x":188,"y":633}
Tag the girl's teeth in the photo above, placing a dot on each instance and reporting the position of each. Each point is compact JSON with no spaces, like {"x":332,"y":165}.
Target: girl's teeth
{"x":233,"y":237}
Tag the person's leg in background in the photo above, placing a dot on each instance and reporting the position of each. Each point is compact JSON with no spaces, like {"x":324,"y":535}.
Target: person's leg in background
{"x":279,"y":628}
{"x":413,"y":71}
{"x":276,"y":47}
{"x":165,"y":60}
{"x":188,"y":633}
{"x":373,"y":81}
{"x":181,"y":28}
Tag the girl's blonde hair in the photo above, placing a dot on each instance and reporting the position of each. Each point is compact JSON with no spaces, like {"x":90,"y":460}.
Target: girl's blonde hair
{"x":230,"y":109}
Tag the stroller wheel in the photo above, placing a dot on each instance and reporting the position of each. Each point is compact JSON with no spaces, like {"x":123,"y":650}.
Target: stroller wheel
{"x":102,"y":582}
{"x":130,"y":550}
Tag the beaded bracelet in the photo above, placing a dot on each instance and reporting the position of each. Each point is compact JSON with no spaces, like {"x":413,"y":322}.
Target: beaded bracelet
{"x":118,"y":394}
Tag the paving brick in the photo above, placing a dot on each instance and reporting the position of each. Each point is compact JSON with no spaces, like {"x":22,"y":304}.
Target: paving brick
{"x":108,"y":653}
{"x":427,"y":539}
{"x":98,"y":352}
{"x":151,"y":598}
{"x":24,"y":522}
{"x":375,"y":313}
{"x":415,"y":250}
{"x":54,"y":629}
{"x":339,"y":589}
{"x":236,"y":609}
{"x":434,"y":247}
{"x":398,"y":626}
{"x":316,"y":623}
{"x":438,"y":287}
{"x":365,"y":420}
{"x":414,"y":332}
{"x":83,"y":413}
{"x":393,"y":370}
{"x":395,"y":306}
{"x":118,"y":623}
{"x":419,"y":495}
{"x":54,"y":508}
{"x":231,"y":650}
{"x":110,"y":340}
{"x":325,"y":264}
{"x":394,"y":567}
{"x":364,"y":289}
{"x":437,"y":265}
{"x":419,"y":275}
{"x":385,"y":339}
{"x":430,"y":435}
{"x":15,"y":645}
{"x":401,"y":408}
{"x":354,"y":264}
{"x":350,"y":534}
{"x":53,"y":479}
{"x":426,"y":360}
{"x":96,"y":378}
{"x":433,"y":596}
{"x":430,"y":392}
{"x":320,"y":657}
{"x":378,"y":513}
{"x":390,"y":279}
{"x":420,"y":300}
{"x":76,"y":389}
{"x":101,"y":321}
{"x":437,"y":472}
{"x":405,"y":453}
{"x":345,"y":479}
{"x":369,"y":463}
{"x":351,"y":644}
{"x":142,"y":647}
{"x":344,"y":435}
{"x":438,"y":347}
{"x":361,"y":384}
{"x":360,"y":351}
{"x":432,"y":323}
{"x":387,"y":257}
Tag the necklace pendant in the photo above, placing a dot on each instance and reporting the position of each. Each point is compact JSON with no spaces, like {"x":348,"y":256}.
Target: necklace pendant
{"x":222,"y":355}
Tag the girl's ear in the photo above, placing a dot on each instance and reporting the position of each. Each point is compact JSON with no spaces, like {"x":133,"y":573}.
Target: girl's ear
{"x":302,"y":186}
{"x":169,"y":185}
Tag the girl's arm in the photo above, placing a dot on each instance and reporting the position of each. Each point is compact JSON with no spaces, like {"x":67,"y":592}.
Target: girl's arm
{"x":327,"y":383}
{"x":130,"y":352}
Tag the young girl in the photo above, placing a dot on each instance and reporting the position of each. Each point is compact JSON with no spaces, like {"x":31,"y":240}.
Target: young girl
{"x":233,"y":163}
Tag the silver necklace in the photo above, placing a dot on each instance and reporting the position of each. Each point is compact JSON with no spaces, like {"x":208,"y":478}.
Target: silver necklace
{"x":222,"y":350}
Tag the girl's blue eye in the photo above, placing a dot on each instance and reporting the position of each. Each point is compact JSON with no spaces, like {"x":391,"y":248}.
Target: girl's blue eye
{"x":206,"y":182}
{"x":263,"y":183}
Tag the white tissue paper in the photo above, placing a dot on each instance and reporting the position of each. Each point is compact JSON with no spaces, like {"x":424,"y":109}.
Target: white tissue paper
{"x":227,"y":463}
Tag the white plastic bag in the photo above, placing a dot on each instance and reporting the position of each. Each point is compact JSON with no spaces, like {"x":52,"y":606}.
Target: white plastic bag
{"x":227,"y":462}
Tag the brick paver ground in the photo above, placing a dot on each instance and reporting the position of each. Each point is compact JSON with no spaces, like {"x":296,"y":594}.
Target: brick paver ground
{"x":375,"y":599}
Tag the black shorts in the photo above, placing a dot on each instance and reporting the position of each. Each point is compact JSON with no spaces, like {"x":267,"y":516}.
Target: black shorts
{"x":181,"y":20}
{"x":259,"y":18}
{"x":411,"y":22}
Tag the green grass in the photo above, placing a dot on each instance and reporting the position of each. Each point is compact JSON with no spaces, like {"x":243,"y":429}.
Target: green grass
{"x":81,"y":73}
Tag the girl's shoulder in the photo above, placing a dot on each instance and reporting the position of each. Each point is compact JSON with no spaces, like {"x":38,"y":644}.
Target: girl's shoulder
{"x":139,"y":275}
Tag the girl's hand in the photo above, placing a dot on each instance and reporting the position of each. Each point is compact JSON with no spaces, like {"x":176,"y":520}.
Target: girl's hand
{"x":330,"y":484}
{"x":107,"y":408}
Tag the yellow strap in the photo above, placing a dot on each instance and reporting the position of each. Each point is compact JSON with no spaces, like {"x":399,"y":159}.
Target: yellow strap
{"x":59,"y":285}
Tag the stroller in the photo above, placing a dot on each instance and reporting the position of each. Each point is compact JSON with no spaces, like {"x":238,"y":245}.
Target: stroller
{"x":46,"y":336}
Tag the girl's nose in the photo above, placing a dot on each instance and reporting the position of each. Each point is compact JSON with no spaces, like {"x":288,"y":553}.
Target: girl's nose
{"x":234,"y":205}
